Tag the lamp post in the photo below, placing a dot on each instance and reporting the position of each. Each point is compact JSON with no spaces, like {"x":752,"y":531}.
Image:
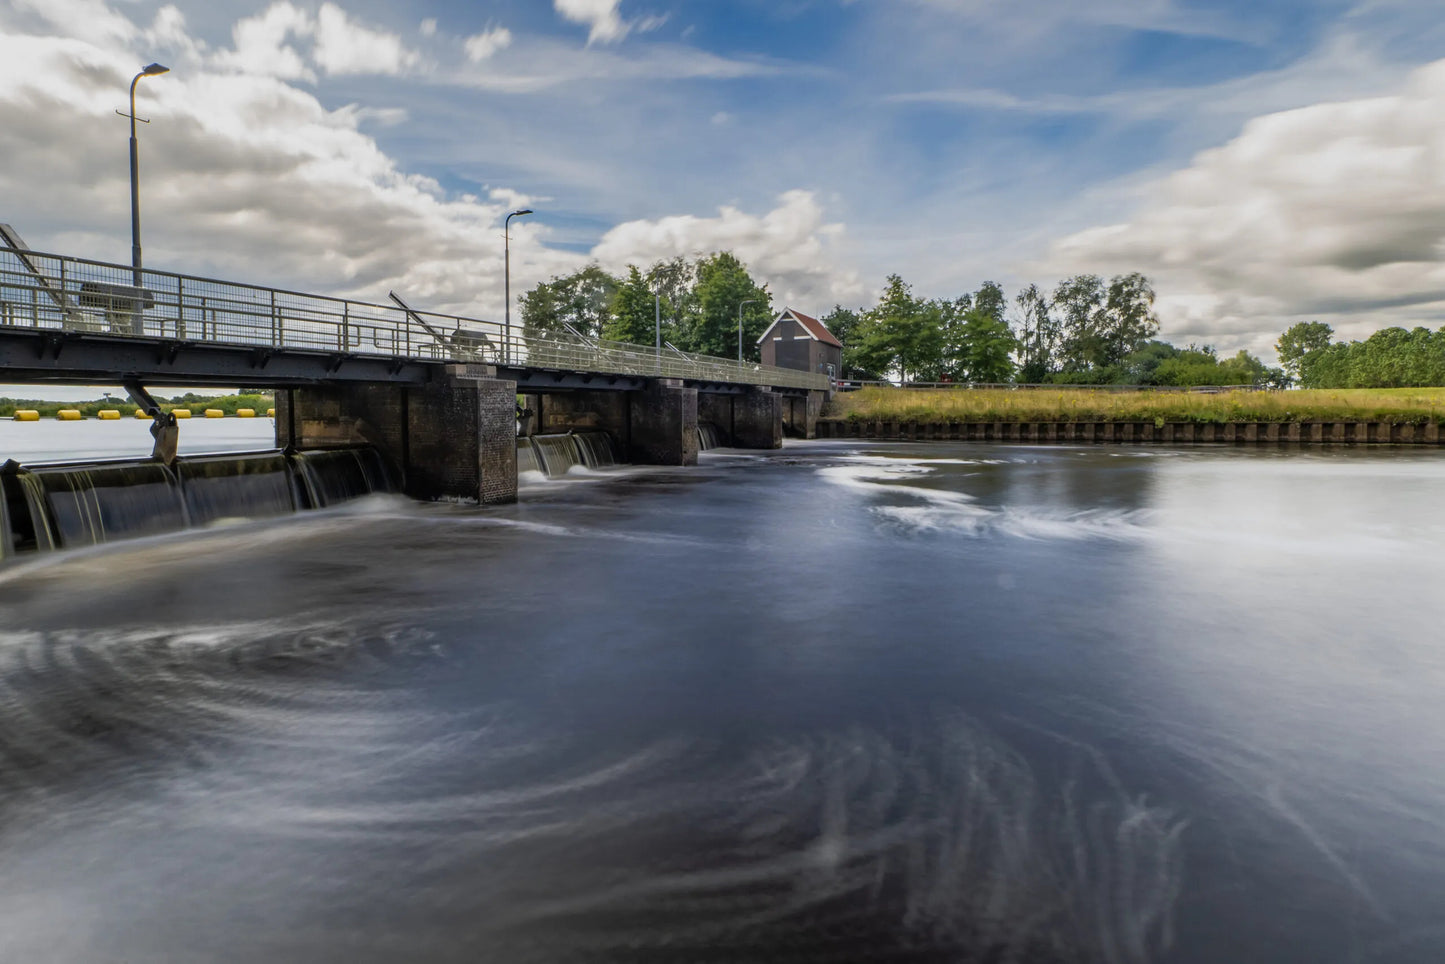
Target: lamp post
{"x":151,"y":70}
{"x":745,"y":301}
{"x":507,"y":280}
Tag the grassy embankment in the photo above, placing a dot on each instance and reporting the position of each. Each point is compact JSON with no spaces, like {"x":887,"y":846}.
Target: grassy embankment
{"x":1416,"y":406}
{"x":226,"y":403}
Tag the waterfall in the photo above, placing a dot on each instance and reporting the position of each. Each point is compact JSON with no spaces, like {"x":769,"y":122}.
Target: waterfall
{"x":332,"y":476}
{"x":554,"y":455}
{"x":81,"y":504}
{"x":708,"y":436}
{"x":527,"y":457}
{"x":63,"y":505}
{"x":595,"y":449}
{"x":227,"y":486}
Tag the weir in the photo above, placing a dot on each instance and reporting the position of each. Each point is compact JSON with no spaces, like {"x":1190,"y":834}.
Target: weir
{"x":436,"y":396}
{"x":63,"y":505}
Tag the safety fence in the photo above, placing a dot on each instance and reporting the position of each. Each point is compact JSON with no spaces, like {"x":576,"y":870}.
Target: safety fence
{"x":48,"y":291}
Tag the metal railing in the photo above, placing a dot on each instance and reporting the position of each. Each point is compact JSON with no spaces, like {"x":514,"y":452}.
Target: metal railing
{"x":852,"y":384}
{"x":48,"y":291}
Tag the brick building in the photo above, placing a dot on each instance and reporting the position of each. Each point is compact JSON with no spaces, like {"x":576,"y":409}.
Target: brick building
{"x":796,"y":341}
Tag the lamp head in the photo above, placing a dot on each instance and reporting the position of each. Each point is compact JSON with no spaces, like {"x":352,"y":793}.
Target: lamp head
{"x":151,"y":70}
{"x":517,"y":214}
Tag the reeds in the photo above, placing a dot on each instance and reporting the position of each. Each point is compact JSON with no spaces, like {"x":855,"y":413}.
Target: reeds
{"x":1399,"y":405}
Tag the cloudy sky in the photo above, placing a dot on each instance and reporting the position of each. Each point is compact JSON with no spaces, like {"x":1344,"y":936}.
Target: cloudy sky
{"x":1264,"y":161}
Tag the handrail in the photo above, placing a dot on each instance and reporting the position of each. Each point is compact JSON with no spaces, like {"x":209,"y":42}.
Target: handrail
{"x":50,"y":291}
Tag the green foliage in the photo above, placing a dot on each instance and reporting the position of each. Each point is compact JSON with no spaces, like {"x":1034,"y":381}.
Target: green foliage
{"x":1390,"y":358}
{"x":582,"y":300}
{"x":1100,"y":325}
{"x":633,"y":314}
{"x":711,"y":326}
{"x":988,"y":344}
{"x":1298,"y":341}
{"x":1040,"y":335}
{"x":902,"y":334}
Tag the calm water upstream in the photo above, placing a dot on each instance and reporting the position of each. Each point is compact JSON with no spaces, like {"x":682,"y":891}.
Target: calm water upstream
{"x":839,"y":702}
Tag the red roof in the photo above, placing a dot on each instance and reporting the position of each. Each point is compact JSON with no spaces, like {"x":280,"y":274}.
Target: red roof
{"x":815,"y":328}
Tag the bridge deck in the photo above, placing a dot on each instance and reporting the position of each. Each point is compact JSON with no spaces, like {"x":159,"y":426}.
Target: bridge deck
{"x":64,"y":318}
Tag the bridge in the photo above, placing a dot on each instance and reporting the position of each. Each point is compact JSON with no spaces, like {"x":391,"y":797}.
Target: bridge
{"x":437,"y":394}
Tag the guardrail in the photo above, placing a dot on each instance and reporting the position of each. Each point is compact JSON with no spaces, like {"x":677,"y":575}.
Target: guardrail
{"x":851,"y":384}
{"x":50,"y":291}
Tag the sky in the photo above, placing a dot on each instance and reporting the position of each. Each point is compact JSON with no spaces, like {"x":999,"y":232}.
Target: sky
{"x":1262,"y":161}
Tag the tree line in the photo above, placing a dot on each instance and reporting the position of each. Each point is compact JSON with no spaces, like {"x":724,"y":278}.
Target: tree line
{"x":1390,"y":358}
{"x":697,"y":302}
{"x":1085,"y":331}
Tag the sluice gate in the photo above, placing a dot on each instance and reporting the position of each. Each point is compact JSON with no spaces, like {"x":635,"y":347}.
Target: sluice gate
{"x":63,"y":505}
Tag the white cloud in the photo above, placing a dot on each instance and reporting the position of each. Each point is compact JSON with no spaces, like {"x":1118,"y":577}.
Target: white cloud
{"x":604,"y":19}
{"x":262,"y":44}
{"x":428,"y":27}
{"x":1335,"y":211}
{"x":344,"y":46}
{"x":791,"y":248}
{"x":481,"y":46}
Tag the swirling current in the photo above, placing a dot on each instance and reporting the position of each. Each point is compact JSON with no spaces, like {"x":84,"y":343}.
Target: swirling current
{"x":840,"y":702}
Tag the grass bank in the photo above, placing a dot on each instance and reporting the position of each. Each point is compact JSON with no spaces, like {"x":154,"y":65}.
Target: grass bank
{"x":226,"y":403}
{"x":1415,"y":406}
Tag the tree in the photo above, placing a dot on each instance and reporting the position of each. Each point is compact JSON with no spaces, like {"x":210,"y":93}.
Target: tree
{"x":1102,"y":325}
{"x":847,"y":326}
{"x":633,"y":314}
{"x":723,"y":284}
{"x":1298,"y":341}
{"x":582,"y":300}
{"x":1039,"y":335}
{"x":989,"y":346}
{"x":900,"y":333}
{"x":674,"y":282}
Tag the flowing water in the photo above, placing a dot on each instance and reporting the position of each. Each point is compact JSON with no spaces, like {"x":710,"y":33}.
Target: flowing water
{"x":844,"y":701}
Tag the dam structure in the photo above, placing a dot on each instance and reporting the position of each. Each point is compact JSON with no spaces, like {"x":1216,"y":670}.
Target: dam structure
{"x":437,"y":396}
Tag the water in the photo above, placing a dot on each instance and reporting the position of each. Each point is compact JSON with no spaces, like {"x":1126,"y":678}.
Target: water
{"x":51,"y":440}
{"x":555,"y":455}
{"x":843,"y":701}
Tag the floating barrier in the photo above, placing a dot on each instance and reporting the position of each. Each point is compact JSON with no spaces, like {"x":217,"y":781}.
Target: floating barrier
{"x":245,"y":413}
{"x":68,"y":415}
{"x":270,"y":413}
{"x":215,"y":413}
{"x":140,"y":413}
{"x":27,"y":415}
{"x":108,"y":415}
{"x":181,"y":412}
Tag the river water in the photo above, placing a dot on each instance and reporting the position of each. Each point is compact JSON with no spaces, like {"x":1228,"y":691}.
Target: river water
{"x":845,"y":701}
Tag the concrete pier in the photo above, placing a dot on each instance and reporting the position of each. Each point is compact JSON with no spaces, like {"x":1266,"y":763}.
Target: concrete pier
{"x":751,"y":420}
{"x":454,"y":437}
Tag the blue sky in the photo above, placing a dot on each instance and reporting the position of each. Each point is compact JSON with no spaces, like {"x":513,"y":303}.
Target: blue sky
{"x":1263,"y":162}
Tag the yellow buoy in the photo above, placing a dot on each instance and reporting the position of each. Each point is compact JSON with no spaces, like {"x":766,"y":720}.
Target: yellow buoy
{"x":140,"y":413}
{"x":108,"y":414}
{"x":270,"y":413}
{"x":215,"y":413}
{"x":27,"y":415}
{"x":245,"y":413}
{"x":181,"y":412}
{"x":68,"y":415}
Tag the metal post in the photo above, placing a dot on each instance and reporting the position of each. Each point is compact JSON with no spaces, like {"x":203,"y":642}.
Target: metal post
{"x":657,"y":321}
{"x":507,"y":276}
{"x":150,"y":70}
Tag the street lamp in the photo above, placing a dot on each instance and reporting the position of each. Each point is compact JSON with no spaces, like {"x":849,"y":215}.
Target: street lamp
{"x":745,"y":301}
{"x":507,"y":278}
{"x":152,"y":70}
